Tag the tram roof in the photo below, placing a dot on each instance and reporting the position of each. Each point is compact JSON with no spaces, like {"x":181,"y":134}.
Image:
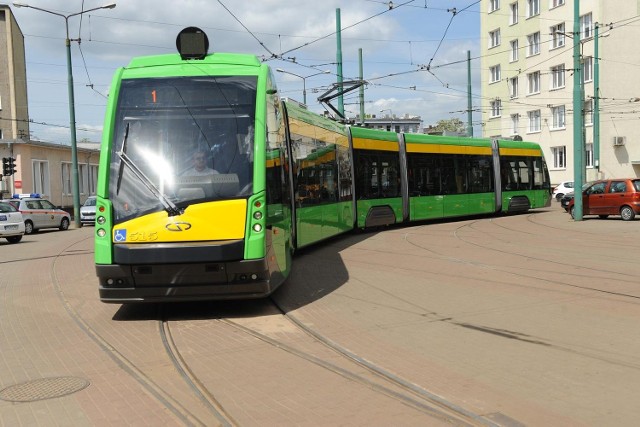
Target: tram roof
{"x":217,"y":58}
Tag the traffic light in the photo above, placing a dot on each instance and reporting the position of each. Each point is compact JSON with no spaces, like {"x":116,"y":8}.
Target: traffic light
{"x":8,"y":166}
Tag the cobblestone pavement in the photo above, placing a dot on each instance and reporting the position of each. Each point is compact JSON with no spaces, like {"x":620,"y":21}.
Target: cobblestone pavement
{"x":521,"y":320}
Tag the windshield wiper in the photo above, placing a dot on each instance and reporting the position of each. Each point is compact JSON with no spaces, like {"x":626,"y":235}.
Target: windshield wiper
{"x":169,"y":206}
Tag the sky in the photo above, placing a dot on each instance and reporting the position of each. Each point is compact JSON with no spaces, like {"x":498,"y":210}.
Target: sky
{"x":414,"y":52}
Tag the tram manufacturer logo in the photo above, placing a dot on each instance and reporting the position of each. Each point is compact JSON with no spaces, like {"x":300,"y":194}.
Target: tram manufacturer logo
{"x":178,"y":226}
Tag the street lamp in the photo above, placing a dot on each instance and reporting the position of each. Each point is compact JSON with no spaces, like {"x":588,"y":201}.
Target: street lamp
{"x":72,"y":111}
{"x":304,"y":81}
{"x":390,"y":115}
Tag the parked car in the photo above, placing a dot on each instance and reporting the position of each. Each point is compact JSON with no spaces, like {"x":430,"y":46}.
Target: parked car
{"x":610,"y":197}
{"x":88,"y":211}
{"x":564,"y":200}
{"x":565,"y":187}
{"x":11,"y":223}
{"x":39,"y":213}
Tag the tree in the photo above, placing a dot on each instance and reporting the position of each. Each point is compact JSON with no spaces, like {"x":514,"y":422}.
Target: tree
{"x":450,"y":125}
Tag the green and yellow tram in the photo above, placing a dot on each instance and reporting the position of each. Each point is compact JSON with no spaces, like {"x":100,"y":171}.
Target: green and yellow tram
{"x":208,"y":182}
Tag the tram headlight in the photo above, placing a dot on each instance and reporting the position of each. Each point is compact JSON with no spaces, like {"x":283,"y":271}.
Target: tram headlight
{"x":257,"y":215}
{"x":257,"y":228}
{"x":101,"y":220}
{"x":101,"y":232}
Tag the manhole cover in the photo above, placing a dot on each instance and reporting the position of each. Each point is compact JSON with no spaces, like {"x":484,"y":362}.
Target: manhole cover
{"x":45,"y":388}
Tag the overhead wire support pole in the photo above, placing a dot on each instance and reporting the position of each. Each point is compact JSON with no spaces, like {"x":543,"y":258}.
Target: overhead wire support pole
{"x":596,"y":102}
{"x":72,"y":110}
{"x":578,"y":144}
{"x":469,"y":111}
{"x":339,"y":61}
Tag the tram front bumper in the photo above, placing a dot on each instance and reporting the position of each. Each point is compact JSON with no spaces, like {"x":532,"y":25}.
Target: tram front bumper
{"x":184,"y":282}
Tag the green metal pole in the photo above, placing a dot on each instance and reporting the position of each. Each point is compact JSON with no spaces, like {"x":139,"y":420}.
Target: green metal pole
{"x":72,"y":126}
{"x":577,"y":115}
{"x":596,"y":104}
{"x":361,"y":76}
{"x":339,"y":60}
{"x":469,"y":113}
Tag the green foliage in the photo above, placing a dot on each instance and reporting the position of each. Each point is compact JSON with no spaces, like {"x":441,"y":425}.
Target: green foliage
{"x":450,"y":125}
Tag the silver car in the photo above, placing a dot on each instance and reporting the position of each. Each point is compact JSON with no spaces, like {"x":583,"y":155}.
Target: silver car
{"x":88,"y":211}
{"x":11,"y":223}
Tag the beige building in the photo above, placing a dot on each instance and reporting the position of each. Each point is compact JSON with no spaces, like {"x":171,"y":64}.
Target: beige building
{"x":41,"y":167}
{"x":527,"y":80}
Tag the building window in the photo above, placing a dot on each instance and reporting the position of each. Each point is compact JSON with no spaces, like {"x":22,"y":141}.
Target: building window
{"x":494,"y":5}
{"x":496,"y":108}
{"x":534,"y":120}
{"x":555,"y":3}
{"x":559,"y":157}
{"x":515,"y":123}
{"x":0,"y":102}
{"x":494,"y":38}
{"x":533,"y":8}
{"x":513,"y":17}
{"x":495,"y":74}
{"x":534,"y":44}
{"x":588,"y":112}
{"x":557,"y":36}
{"x":557,"y":77}
{"x":1,"y":136}
{"x":558,"y":114}
{"x":513,"y":87}
{"x":87,"y":179}
{"x":514,"y":50}
{"x":588,"y":148}
{"x":66,"y":179}
{"x":586,"y":26}
{"x":587,"y":69}
{"x":41,"y":183}
{"x":534,"y":82}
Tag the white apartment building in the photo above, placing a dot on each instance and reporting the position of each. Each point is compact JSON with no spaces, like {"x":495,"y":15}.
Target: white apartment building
{"x":527,"y":80}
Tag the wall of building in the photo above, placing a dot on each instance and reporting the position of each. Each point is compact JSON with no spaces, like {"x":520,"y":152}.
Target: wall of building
{"x":617,"y":86}
{"x":57,"y":158}
{"x":13,"y":81}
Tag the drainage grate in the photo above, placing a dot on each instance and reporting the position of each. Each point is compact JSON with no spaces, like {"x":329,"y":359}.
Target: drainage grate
{"x":45,"y":388}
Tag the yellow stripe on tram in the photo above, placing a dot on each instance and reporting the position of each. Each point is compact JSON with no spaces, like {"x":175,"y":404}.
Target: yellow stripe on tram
{"x":375,"y":144}
{"x":223,"y":220}
{"x":534,"y":152}
{"x":447,"y":149}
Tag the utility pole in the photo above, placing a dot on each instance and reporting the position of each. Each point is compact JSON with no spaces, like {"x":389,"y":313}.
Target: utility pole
{"x":578,"y":148}
{"x":361,"y":90}
{"x":469,"y":112}
{"x":339,"y":61}
{"x":596,"y":103}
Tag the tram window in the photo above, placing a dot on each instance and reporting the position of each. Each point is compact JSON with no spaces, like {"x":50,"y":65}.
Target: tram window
{"x":538,"y":173}
{"x":517,"y":173}
{"x":344,"y":173}
{"x":378,"y":175}
{"x":480,"y":178}
{"x":424,"y":174}
{"x":453,"y":179}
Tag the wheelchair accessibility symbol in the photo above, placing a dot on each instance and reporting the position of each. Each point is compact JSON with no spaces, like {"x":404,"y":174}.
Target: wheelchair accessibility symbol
{"x":120,"y":235}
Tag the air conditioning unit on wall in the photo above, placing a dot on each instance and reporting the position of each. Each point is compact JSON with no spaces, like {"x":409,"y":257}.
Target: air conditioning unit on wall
{"x":619,"y":140}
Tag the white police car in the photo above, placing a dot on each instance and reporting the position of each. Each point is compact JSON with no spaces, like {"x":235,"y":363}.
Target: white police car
{"x":39,"y":213}
{"x":11,"y":223}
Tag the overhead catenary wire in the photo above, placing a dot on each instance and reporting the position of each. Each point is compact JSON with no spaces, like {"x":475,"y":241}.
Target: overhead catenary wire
{"x":247,"y":29}
{"x":347,"y":27}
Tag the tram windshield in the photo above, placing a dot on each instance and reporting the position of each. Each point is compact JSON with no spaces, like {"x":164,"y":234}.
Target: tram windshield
{"x":181,"y":140}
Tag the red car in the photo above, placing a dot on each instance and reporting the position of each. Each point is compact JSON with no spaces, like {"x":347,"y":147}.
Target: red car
{"x":610,"y":197}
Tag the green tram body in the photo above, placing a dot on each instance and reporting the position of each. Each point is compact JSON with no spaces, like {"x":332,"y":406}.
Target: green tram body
{"x":288,"y":179}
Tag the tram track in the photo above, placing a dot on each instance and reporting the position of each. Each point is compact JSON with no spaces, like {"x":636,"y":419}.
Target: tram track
{"x":392,"y":385}
{"x":628,"y":278}
{"x":181,"y":413}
